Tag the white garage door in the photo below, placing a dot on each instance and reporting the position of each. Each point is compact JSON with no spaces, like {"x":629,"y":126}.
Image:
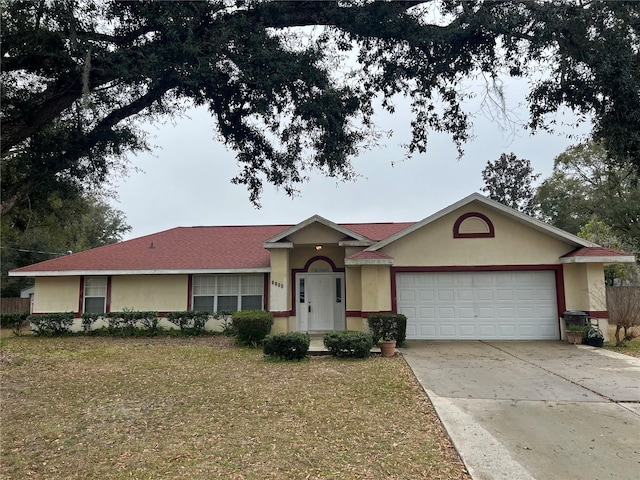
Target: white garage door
{"x":518,"y":305}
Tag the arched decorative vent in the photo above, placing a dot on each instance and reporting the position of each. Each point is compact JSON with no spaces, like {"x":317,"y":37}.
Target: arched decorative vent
{"x":320,"y":264}
{"x":473,"y":225}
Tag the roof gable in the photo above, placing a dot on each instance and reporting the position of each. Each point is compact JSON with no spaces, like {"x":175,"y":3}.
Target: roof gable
{"x":308,"y":222}
{"x":476,"y":197}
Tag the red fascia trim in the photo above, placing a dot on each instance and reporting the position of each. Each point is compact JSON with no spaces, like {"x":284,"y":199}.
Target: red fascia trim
{"x":265,"y":291}
{"x":598,"y":313}
{"x":557,"y":269}
{"x":326,"y":259}
{"x":81,"y":299}
{"x":286,"y":313}
{"x":107,"y":301}
{"x":189,"y":290}
{"x":456,"y":226}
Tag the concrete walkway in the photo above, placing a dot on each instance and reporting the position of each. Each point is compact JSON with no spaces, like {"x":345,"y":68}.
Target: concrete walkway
{"x":535,"y":410}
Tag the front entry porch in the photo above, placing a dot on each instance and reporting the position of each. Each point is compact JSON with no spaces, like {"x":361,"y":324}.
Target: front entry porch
{"x":320,"y":301}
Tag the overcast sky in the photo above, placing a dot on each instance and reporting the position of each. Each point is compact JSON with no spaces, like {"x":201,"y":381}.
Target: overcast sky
{"x":186,"y":181}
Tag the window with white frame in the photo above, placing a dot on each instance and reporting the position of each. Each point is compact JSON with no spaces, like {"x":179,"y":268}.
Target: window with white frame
{"x":95,"y":294}
{"x":217,"y":293}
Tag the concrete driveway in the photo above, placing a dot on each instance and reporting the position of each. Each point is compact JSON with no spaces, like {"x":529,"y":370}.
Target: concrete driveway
{"x":534,"y":410}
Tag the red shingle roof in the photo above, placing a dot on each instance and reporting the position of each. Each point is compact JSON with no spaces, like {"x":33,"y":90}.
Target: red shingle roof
{"x":364,"y":255}
{"x":191,"y":248}
{"x":595,"y":252}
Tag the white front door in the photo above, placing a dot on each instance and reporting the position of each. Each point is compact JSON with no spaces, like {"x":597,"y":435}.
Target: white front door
{"x":320,"y":301}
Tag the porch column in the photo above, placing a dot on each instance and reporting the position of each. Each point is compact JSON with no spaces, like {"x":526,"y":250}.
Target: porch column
{"x":280,"y":287}
{"x":376,"y":288}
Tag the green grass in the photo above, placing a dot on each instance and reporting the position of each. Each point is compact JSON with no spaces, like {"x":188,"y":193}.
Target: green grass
{"x":95,"y":408}
{"x":632,"y":347}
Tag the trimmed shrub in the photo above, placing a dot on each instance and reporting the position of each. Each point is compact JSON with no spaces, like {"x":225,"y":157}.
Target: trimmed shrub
{"x":14,"y":321}
{"x":51,"y":324}
{"x":88,"y":319}
{"x":191,"y":321}
{"x":251,"y":326}
{"x":150,"y":321}
{"x":289,"y":346}
{"x":121,"y":323}
{"x":388,"y":326}
{"x":349,"y":343}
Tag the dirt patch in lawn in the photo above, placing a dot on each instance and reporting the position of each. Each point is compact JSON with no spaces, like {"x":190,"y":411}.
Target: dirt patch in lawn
{"x":188,"y":408}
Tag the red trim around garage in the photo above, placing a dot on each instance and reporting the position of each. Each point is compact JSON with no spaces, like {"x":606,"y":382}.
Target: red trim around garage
{"x":557,"y":269}
{"x":598,"y":313}
{"x":456,"y":226}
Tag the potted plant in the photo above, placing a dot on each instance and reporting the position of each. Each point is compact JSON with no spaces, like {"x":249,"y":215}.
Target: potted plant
{"x":574,"y":334}
{"x":386,"y":329}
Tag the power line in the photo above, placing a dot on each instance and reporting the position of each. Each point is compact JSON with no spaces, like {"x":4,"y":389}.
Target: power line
{"x":24,"y":250}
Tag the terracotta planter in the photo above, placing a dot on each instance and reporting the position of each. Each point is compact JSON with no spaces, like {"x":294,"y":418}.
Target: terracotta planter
{"x":387,"y":347}
{"x":574,"y":338}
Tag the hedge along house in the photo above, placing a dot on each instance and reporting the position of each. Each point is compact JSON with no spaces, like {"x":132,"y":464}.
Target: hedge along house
{"x":474,"y":270}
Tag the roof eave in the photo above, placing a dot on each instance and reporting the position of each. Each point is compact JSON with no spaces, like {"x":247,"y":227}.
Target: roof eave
{"x":275,"y":245}
{"x":368,"y":261}
{"x":608,"y":259}
{"x":75,"y":273}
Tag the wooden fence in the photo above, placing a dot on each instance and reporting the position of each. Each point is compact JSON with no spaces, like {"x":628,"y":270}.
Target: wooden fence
{"x":14,"y":305}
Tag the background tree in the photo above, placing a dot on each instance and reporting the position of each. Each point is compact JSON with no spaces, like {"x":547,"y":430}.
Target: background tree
{"x":509,"y":180}
{"x":587,"y":184}
{"x":79,"y":78}
{"x":590,"y":195}
{"x":70,"y":224}
{"x":597,"y":231}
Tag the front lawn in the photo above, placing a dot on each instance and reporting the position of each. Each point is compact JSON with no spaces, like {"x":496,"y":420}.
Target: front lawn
{"x":632,"y":347}
{"x":144,"y":408}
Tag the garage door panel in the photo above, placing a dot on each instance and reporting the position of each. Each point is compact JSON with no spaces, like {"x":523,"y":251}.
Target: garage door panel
{"x":485,"y":313}
{"x":466,"y":312}
{"x":426,"y":295}
{"x":487,"y":331}
{"x":446,"y":313}
{"x":468,"y":330}
{"x":427,"y":312}
{"x":407,"y":295}
{"x":446,"y":294}
{"x":504,"y":294}
{"x":465,"y":295}
{"x":486,"y":294}
{"x":479,"y":305}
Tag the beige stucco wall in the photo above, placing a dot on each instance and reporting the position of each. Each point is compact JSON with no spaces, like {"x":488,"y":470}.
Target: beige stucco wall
{"x":584,"y":286}
{"x":280,"y":325}
{"x":280,"y":285}
{"x":163,"y":293}
{"x":514,"y":244}
{"x":376,"y":288}
{"x":353,"y":285}
{"x":315,"y":234}
{"x":357,"y":323}
{"x":56,"y":294}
